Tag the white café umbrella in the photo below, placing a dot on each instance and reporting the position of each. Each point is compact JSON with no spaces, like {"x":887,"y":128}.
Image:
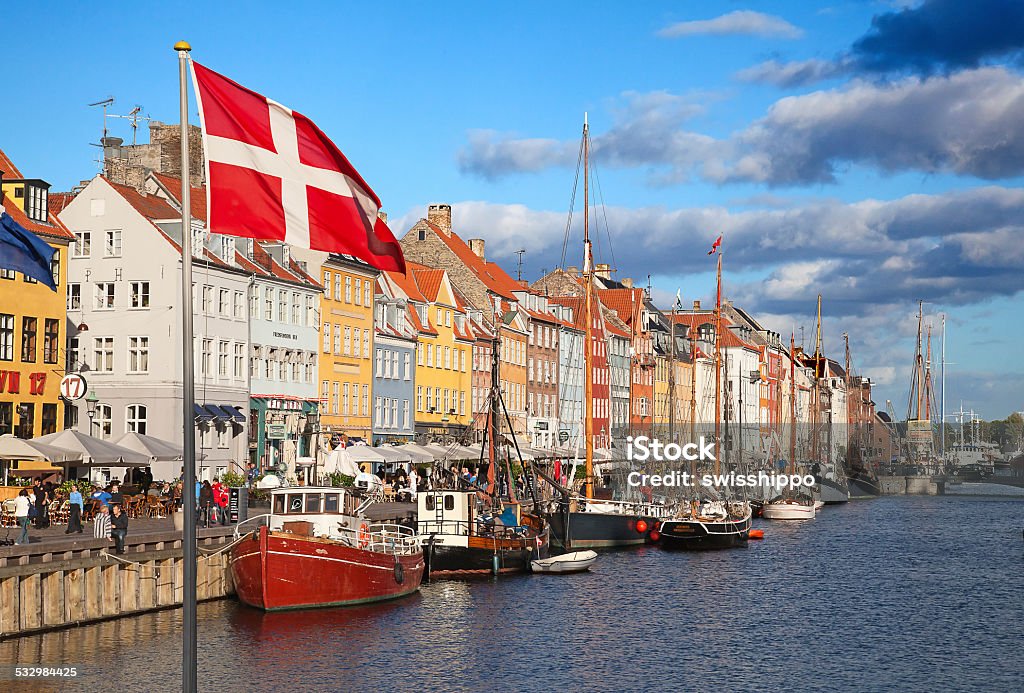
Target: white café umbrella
{"x":340,"y":461}
{"x":17,"y":449}
{"x":94,"y":452}
{"x":156,"y":449}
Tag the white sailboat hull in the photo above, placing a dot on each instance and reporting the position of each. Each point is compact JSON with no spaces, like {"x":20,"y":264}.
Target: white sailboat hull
{"x":575,"y":562}
{"x":788,"y":511}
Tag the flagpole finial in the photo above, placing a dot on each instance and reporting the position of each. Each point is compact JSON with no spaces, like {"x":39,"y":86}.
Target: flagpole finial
{"x":182,"y":46}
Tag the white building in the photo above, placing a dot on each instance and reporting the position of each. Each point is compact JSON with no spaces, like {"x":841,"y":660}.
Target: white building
{"x":125,"y":318}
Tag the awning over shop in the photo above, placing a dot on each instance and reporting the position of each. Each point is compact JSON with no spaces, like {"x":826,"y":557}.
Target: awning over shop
{"x":392,"y":454}
{"x":364,"y":453}
{"x":419,"y":454}
{"x":203,"y":415}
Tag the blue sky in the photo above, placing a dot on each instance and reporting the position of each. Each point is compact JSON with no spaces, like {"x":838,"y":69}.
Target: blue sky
{"x":872,"y":151}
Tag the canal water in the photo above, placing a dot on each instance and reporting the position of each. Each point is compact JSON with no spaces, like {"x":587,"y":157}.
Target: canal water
{"x":901,"y":593}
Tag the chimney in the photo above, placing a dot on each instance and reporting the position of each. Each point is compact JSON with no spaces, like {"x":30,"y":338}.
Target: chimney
{"x":603,"y":270}
{"x":477,"y":246}
{"x":382,"y":215}
{"x":440,"y":215}
{"x":572,"y":271}
{"x":627,"y":282}
{"x":696,"y":305}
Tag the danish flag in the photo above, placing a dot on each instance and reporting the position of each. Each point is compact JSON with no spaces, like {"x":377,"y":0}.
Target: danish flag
{"x":715,"y":246}
{"x":272,"y":174}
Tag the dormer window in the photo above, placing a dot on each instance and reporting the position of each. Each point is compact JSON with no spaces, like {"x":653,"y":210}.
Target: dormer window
{"x":35,"y":202}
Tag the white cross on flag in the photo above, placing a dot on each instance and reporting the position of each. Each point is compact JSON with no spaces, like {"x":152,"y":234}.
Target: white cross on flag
{"x":272,"y":174}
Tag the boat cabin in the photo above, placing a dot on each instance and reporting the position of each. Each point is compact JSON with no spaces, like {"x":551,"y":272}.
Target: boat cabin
{"x":313,"y":511}
{"x":445,"y":511}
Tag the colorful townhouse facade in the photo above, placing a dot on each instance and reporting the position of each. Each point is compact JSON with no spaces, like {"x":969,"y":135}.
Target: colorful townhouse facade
{"x":33,"y":318}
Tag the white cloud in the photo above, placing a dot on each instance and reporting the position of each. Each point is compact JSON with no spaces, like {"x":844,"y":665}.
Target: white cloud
{"x":797,"y":73}
{"x":737,"y":23}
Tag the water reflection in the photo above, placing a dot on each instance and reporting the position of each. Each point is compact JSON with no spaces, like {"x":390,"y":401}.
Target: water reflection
{"x":908,"y":593}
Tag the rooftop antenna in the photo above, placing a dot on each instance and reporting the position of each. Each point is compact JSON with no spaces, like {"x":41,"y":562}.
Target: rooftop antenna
{"x":648,"y":287}
{"x":134,"y":116}
{"x":105,"y":104}
{"x":519,"y":273}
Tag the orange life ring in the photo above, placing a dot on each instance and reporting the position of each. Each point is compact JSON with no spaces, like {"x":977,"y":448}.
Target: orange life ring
{"x":364,"y":535}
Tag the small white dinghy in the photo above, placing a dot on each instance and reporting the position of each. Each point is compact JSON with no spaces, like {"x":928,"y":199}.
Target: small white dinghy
{"x":575,"y":562}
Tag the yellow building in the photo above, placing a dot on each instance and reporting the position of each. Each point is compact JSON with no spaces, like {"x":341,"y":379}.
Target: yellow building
{"x":444,"y":353}
{"x":346,"y":350}
{"x":33,"y":337}
{"x":661,"y":395}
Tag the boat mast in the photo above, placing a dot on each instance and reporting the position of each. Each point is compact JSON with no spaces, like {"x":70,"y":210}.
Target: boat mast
{"x":815,"y":392}
{"x":848,"y":380}
{"x":672,"y":376}
{"x":588,"y":351}
{"x":792,"y":403}
{"x":718,"y":365}
{"x":942,"y":396}
{"x":493,"y":421}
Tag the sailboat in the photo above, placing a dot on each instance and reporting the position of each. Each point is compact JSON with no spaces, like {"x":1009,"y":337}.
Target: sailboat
{"x":709,"y":522}
{"x":579,"y":521}
{"x":469,"y":529}
{"x":827,"y":470}
{"x":791,"y":506}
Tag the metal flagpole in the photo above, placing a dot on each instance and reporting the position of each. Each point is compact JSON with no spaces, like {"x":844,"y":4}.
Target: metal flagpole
{"x":189,"y":663}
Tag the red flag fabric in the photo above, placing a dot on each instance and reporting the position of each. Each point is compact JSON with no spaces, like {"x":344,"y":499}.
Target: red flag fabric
{"x":715,"y":246}
{"x":272,"y":174}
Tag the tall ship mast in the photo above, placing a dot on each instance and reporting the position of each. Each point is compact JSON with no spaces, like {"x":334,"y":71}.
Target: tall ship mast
{"x":579,"y":519}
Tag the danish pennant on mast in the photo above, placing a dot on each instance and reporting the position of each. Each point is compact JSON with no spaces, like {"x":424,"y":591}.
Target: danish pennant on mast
{"x":272,"y":174}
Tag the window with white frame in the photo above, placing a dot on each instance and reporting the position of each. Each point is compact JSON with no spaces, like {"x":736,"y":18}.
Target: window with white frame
{"x":348,"y":289}
{"x":206,"y":357}
{"x":327,"y":284}
{"x":268,"y":304}
{"x":337,"y":287}
{"x":408,"y":365}
{"x":135,"y":419}
{"x":223,"y":302}
{"x":380,"y":363}
{"x":239,"y":311}
{"x":223,"y":359}
{"x":103,"y":354}
{"x":239,"y":371}
{"x":138,"y":354}
{"x":74,"y":296}
{"x":327,"y":337}
{"x":337,"y":338}
{"x":347,"y":350}
{"x":377,"y":404}
{"x":310,"y":312}
{"x":223,"y":435}
{"x":334,"y":398}
{"x":296,"y":309}
{"x":366,"y":292}
{"x":344,"y":399}
{"x":82,"y":247}
{"x":104,"y":296}
{"x":366,"y":400}
{"x":419,"y":398}
{"x":112,"y":243}
{"x":405,"y":414}
{"x":103,"y":420}
{"x":358,"y":292}
{"x":366,"y":344}
{"x":140,"y":294}
{"x":282,"y":306}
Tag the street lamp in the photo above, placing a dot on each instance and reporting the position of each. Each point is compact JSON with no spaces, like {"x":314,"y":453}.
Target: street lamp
{"x":91,"y":400}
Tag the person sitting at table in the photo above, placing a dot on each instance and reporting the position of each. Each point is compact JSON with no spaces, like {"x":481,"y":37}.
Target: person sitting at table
{"x":102,"y":495}
{"x":115,"y":494}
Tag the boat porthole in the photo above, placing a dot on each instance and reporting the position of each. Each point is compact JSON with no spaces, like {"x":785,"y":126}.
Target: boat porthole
{"x":399,"y":572}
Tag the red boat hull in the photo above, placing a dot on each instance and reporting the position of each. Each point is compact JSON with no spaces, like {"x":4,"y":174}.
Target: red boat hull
{"x":275,"y":571}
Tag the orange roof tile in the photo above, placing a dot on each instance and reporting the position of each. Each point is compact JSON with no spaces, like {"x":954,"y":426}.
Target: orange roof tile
{"x":7,"y":167}
{"x":492,"y":275}
{"x":55,"y":228}
{"x":198,"y":195}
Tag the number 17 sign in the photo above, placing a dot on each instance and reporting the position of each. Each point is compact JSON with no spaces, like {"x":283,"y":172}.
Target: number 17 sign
{"x":73,"y":387}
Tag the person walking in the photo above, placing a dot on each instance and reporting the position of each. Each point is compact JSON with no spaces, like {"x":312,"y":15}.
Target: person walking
{"x":40,"y":501}
{"x":221,"y":495}
{"x":76,"y":506}
{"x":21,"y":506}
{"x":205,"y":502}
{"x":118,"y":527}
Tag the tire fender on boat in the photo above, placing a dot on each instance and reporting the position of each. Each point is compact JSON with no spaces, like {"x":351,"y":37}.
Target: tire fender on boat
{"x":399,"y":571}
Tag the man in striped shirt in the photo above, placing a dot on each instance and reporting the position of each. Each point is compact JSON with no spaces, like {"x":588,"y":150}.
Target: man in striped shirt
{"x":101,"y":525}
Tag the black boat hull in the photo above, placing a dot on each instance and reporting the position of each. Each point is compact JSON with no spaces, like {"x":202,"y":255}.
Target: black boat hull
{"x":465,"y":561}
{"x":696,"y":536}
{"x":862,"y":488}
{"x":574,"y":531}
